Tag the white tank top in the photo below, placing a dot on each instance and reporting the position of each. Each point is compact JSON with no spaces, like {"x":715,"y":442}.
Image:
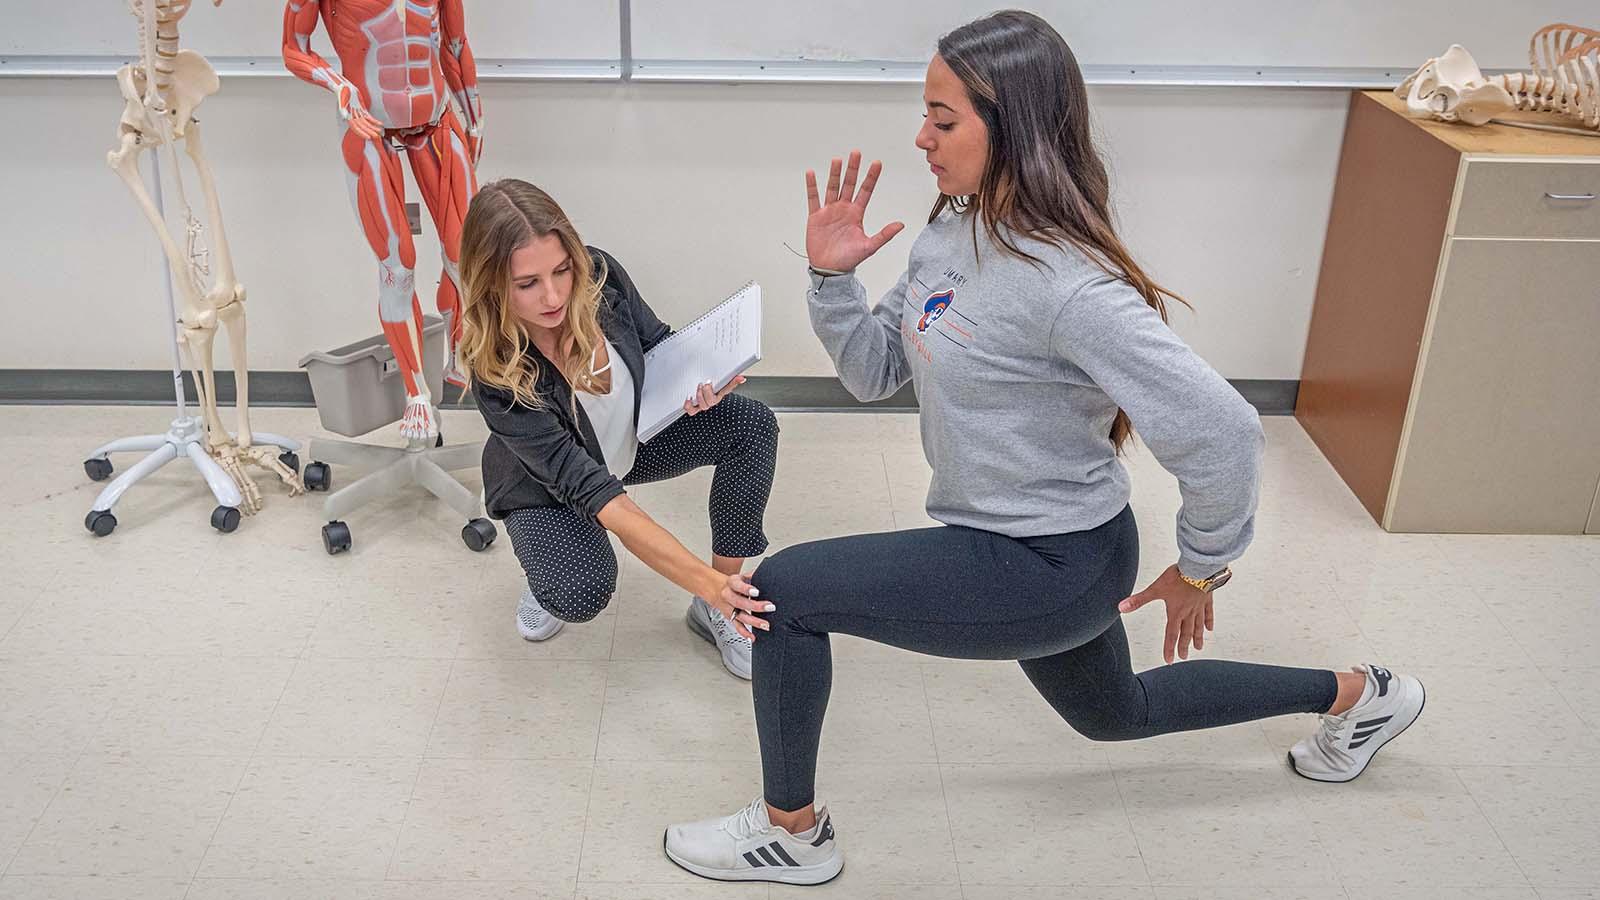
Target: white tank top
{"x":611,"y":414}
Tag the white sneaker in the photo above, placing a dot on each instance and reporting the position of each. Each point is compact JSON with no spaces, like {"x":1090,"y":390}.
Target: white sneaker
{"x":746,"y":846}
{"x":710,"y":624}
{"x":534,"y":622}
{"x":1345,"y":744}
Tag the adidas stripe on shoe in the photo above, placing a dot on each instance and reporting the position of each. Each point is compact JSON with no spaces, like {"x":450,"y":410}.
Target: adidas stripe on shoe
{"x":746,"y":846}
{"x":1345,"y":745}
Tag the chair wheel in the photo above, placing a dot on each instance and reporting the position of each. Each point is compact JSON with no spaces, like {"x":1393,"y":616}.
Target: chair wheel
{"x":335,"y":536}
{"x":97,"y":469}
{"x":290,"y":459}
{"x":478,"y":534}
{"x":317,"y":476}
{"x":225,"y":519}
{"x":100,"y":521}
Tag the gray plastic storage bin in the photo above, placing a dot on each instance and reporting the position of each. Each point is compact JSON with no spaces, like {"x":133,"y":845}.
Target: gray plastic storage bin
{"x":358,"y":386}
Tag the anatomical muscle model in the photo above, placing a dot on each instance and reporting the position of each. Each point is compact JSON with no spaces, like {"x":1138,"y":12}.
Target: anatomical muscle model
{"x":400,"y":63}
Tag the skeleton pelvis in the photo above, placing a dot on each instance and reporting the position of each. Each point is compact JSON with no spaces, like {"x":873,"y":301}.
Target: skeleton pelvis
{"x":193,"y":80}
{"x":166,"y":10}
{"x":1453,"y":88}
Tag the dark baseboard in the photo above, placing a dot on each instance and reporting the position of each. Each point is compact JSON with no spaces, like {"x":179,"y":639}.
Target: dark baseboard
{"x":1270,"y":396}
{"x":787,"y":393}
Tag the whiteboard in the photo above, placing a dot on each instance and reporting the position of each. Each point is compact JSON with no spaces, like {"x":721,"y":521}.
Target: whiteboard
{"x":496,"y":29}
{"x":1311,"y":33}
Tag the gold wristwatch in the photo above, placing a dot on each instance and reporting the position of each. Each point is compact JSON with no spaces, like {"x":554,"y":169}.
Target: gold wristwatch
{"x":1209,"y":584}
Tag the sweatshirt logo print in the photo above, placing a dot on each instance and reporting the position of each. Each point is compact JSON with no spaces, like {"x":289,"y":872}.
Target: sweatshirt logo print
{"x":934,"y":309}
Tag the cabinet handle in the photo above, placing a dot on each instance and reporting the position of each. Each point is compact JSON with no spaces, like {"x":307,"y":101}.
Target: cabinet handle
{"x":1569,"y":196}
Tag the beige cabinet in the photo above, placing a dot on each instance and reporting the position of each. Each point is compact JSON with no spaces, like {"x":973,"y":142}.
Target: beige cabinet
{"x":1452,"y":371}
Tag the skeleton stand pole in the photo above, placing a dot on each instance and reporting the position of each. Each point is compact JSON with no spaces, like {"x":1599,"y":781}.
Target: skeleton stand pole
{"x":172,"y":303}
{"x":184,"y":438}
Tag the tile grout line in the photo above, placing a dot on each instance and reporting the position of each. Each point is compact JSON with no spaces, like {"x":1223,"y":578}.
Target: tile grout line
{"x":44,"y":590}
{"x":1127,"y":816}
{"x":60,"y":788}
{"x":1302,"y":803}
{"x":311,"y":633}
{"x":422,"y":761}
{"x":20,"y":616}
{"x":1510,"y":632}
{"x":938,"y":768}
{"x":244,"y":771}
{"x":888,"y":485}
{"x":594,"y":774}
{"x":6,"y":869}
{"x":1454,"y":773}
{"x":249,"y":763}
{"x":1538,"y":667}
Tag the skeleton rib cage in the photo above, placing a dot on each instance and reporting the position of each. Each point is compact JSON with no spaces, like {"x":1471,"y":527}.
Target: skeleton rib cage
{"x":1565,"y":60}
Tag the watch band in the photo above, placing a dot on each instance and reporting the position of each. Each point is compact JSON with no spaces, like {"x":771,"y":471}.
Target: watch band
{"x":1208,"y":584}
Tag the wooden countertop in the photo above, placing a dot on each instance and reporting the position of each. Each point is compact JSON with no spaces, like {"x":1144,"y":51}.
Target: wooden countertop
{"x":1495,"y":138}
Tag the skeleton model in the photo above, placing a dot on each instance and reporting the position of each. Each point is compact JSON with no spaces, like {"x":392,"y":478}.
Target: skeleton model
{"x":1565,"y":79}
{"x":1566,"y":74}
{"x":401,"y":61}
{"x":162,"y":93}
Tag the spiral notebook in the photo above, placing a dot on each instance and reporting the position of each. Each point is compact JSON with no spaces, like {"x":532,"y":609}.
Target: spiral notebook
{"x":714,"y":348}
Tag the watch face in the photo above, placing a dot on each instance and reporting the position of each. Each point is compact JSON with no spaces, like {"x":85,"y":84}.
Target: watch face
{"x":1220,"y":579}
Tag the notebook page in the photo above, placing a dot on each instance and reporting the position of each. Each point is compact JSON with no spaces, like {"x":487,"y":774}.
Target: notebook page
{"x":714,"y":348}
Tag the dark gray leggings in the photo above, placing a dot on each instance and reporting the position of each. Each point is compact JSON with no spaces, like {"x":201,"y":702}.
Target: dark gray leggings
{"x":1049,"y":602}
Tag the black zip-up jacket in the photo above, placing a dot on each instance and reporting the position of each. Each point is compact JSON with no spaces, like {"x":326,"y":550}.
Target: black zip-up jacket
{"x":545,"y":456}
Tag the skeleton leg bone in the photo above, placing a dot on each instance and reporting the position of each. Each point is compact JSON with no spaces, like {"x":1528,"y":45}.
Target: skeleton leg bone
{"x":125,"y":161}
{"x":225,"y":293}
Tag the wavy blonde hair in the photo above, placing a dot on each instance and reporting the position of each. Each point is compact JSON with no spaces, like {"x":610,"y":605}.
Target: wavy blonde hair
{"x":495,"y":347}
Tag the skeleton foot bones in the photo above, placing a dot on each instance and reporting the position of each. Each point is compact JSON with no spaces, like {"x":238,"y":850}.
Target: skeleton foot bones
{"x":234,"y":458}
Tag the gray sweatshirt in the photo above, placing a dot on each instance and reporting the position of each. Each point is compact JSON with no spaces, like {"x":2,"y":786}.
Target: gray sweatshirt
{"x":1019,"y":371}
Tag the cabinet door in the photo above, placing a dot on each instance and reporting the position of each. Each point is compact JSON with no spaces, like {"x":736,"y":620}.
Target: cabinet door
{"x":1503,"y":433}
{"x":1530,"y":200}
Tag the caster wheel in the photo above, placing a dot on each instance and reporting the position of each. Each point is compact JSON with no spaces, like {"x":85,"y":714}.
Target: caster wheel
{"x":97,"y":469}
{"x":290,"y":459}
{"x":100,"y":521}
{"x":317,"y":476}
{"x":335,"y":537}
{"x":478,"y":534}
{"x":225,"y":519}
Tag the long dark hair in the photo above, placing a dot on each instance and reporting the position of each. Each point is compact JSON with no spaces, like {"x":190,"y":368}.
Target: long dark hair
{"x":1044,"y":179}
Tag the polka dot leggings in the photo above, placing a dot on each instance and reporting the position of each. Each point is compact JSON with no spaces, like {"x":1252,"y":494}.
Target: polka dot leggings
{"x":568,"y":559}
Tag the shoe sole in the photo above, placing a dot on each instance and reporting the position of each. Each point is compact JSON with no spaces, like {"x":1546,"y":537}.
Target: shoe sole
{"x":536,"y":640}
{"x":704,"y":631}
{"x":532,"y":639}
{"x":1420,"y":707}
{"x":800,"y":875}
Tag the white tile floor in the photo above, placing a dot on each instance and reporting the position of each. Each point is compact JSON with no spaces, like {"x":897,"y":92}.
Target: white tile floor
{"x":190,"y":715}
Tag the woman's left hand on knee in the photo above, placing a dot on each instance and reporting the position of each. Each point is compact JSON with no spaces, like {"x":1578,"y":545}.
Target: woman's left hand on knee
{"x":738,"y":602}
{"x":705,"y":397}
